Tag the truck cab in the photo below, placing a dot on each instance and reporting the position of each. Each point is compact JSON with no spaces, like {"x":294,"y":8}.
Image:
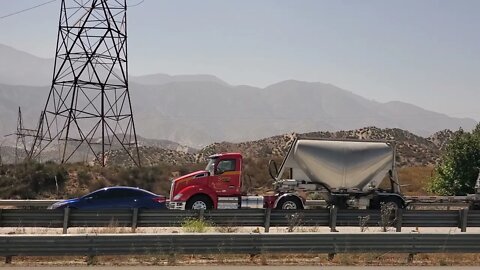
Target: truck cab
{"x":202,"y":189}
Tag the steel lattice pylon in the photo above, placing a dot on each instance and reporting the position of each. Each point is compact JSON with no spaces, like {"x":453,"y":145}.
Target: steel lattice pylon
{"x":88,"y":108}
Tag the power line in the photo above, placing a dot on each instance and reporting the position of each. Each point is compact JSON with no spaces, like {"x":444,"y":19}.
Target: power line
{"x":48,"y":2}
{"x":27,"y":9}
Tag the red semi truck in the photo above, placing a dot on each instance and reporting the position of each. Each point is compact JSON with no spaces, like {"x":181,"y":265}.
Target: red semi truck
{"x":346,"y":174}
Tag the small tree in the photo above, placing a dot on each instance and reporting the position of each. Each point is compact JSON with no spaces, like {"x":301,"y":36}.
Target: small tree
{"x":458,"y":169}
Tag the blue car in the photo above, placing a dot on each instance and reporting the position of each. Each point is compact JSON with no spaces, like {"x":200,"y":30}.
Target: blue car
{"x":115,"y":197}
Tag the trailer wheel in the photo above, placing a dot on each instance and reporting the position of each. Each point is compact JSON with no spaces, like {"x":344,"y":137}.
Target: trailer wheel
{"x":198,"y":202}
{"x":289,"y":203}
{"x":393,"y":202}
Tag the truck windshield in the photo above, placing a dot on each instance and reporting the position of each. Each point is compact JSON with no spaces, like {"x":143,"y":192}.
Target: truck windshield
{"x":211,"y":165}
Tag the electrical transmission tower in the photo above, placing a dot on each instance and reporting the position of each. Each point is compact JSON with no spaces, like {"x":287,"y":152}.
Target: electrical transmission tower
{"x":88,"y":109}
{"x":22,"y":133}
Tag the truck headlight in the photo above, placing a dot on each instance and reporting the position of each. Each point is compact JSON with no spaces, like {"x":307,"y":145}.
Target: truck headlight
{"x":178,"y":196}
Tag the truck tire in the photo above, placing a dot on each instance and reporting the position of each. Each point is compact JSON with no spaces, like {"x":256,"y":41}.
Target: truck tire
{"x":198,"y":202}
{"x":394,"y":202}
{"x":290,"y":203}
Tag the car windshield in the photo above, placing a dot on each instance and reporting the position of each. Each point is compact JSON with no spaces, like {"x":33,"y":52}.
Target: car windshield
{"x":211,"y":165}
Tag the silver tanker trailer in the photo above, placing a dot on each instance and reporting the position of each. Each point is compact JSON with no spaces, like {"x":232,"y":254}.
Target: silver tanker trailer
{"x":342,"y":173}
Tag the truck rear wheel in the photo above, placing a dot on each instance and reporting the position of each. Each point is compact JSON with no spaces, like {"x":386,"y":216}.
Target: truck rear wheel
{"x":199,"y":202}
{"x":393,"y":203}
{"x":290,"y":203}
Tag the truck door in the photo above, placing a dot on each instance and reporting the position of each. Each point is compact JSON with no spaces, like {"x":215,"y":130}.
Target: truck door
{"x":226,"y":181}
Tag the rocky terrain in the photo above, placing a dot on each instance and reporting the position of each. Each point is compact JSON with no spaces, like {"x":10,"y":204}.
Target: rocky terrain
{"x":412,"y":150}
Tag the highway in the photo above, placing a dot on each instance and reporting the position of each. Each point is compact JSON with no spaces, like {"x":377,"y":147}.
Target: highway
{"x":260,"y":267}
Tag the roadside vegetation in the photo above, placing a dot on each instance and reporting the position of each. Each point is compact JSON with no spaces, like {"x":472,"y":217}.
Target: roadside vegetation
{"x":32,"y":180}
{"x":455,"y":174}
{"x":458,"y":169}
{"x":195,"y":225}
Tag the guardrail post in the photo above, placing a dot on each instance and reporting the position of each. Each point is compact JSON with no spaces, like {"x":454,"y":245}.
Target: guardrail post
{"x":410,"y":257}
{"x":330,"y":256}
{"x":201,"y":214}
{"x":463,"y":218}
{"x":268,"y":213}
{"x":90,"y":259}
{"x":8,"y":259}
{"x":399,"y":219}
{"x":333,"y":219}
{"x":134,"y":219}
{"x":66,"y":214}
{"x":1,"y":217}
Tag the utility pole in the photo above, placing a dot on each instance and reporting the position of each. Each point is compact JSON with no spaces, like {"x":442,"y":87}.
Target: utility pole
{"x":88,"y":108}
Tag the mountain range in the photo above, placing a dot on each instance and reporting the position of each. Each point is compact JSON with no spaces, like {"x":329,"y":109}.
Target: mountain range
{"x":197,"y":110}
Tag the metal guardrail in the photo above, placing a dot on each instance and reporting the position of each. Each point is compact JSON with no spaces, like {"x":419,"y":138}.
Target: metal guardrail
{"x":305,"y":243}
{"x":265,"y":218}
{"x":310,"y":204}
{"x":28,"y":203}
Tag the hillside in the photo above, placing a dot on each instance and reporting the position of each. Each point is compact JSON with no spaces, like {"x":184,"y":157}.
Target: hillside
{"x":412,"y":150}
{"x":162,"y":161}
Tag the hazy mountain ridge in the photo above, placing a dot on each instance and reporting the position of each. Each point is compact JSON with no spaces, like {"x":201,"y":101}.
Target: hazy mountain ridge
{"x":11,"y":151}
{"x":161,"y":78}
{"x":197,"y":110}
{"x":17,"y":65}
{"x":199,"y":113}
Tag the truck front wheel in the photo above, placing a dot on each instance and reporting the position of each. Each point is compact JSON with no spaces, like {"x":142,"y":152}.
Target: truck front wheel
{"x":289,"y":203}
{"x":199,"y":202}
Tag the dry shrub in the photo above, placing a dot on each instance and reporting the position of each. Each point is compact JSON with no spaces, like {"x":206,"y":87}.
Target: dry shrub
{"x":113,"y":227}
{"x":227,"y":229}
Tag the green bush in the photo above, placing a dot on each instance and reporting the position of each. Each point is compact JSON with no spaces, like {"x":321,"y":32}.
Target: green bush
{"x":457,"y":171}
{"x":195,"y":225}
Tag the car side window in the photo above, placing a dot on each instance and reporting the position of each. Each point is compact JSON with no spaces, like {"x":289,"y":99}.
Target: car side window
{"x":117,"y":194}
{"x":226,"y":165}
{"x":96,"y":195}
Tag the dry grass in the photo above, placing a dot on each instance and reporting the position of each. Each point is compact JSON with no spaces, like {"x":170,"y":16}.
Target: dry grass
{"x":413,"y":180}
{"x":112,"y":227}
{"x":367,"y":259}
{"x":227,"y":229}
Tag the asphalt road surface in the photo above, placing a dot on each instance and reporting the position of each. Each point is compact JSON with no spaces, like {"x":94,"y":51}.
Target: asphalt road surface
{"x":227,"y":267}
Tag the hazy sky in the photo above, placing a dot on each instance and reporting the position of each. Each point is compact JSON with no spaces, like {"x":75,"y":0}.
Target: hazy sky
{"x":425,"y":52}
